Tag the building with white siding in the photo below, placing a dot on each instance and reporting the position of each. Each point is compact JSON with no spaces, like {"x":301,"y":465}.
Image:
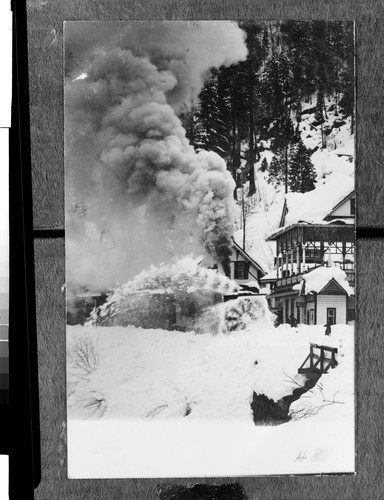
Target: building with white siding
{"x":314,"y":274}
{"x":243,"y":268}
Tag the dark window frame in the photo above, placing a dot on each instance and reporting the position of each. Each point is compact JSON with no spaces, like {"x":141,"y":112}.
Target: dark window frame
{"x":352,"y":206}
{"x":241,"y":272}
{"x":331,"y":309}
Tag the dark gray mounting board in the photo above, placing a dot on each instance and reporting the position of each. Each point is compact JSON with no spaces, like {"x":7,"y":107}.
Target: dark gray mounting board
{"x":45,"y":28}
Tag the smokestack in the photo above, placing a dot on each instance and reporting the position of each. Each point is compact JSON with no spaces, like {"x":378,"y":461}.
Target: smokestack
{"x":144,"y":194}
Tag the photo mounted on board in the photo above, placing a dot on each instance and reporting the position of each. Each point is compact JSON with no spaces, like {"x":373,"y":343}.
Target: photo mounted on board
{"x":210,"y":216}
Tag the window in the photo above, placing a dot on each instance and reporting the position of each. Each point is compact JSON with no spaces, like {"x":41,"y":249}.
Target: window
{"x":310,"y":317}
{"x":313,"y":250}
{"x":241,"y":270}
{"x":331,"y":315}
{"x":352,"y":206}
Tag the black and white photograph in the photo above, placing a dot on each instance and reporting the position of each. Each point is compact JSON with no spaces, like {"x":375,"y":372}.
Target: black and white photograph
{"x":210,"y":240}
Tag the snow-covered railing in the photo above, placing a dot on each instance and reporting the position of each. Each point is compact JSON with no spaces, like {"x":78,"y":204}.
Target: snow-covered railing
{"x":320,"y":361}
{"x":289,"y":280}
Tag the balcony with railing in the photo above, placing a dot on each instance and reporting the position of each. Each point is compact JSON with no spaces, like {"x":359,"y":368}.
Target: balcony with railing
{"x":294,"y":278}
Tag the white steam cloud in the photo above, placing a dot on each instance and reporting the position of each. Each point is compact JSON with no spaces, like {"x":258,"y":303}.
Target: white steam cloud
{"x":136,"y":191}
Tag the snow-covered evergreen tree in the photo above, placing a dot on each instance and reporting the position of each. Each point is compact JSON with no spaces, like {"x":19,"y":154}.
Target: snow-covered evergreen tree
{"x":276,"y":170}
{"x":264,"y":165}
{"x":302,"y":175}
{"x":253,"y":102}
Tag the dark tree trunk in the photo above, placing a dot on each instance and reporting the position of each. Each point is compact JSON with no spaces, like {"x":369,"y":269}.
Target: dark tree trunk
{"x":234,"y":147}
{"x":252,"y":148}
{"x":286,"y":168}
{"x":244,"y":221}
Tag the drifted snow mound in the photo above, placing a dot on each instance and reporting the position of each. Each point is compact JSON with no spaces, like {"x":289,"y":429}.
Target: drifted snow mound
{"x":153,"y":291}
{"x":128,"y":372}
{"x":317,"y":279}
{"x":235,"y":315}
{"x":241,"y":312}
{"x":333,"y":396}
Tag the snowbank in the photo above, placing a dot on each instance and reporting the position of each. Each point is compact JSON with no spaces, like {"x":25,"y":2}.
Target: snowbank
{"x":166,"y":404}
{"x":159,"y":374}
{"x":330,"y":398}
{"x":317,"y":279}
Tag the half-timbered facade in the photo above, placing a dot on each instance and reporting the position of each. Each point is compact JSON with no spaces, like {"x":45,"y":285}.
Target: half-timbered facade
{"x":303,"y":247}
{"x":243,"y":269}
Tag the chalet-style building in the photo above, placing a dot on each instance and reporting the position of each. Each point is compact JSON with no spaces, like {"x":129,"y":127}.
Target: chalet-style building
{"x":245,"y":270}
{"x":308,"y":284}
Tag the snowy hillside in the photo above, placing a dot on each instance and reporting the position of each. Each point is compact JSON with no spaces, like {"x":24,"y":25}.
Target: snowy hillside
{"x":334,"y":167}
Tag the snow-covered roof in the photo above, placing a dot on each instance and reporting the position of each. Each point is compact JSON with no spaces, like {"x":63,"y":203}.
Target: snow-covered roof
{"x":271,"y":276}
{"x":282,"y":230}
{"x":339,"y":220}
{"x":350,"y":195}
{"x":251,"y":284}
{"x":316,"y":280}
{"x":315,"y":205}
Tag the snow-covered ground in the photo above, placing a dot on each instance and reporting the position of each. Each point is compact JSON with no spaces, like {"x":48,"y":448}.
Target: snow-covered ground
{"x":155,"y":403}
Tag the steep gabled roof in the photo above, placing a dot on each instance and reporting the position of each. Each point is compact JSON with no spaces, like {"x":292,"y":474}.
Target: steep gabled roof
{"x":283,"y":214}
{"x":313,"y":206}
{"x":333,"y":288}
{"x":248,"y":258}
{"x":270,"y":277}
{"x":321,"y":279}
{"x":350,"y":195}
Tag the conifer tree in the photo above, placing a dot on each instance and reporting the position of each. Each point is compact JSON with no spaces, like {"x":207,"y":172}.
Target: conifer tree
{"x":319,"y":115}
{"x":347,"y":102}
{"x":251,"y":80}
{"x":264,"y":165}
{"x":193,"y":127}
{"x":284,"y":138}
{"x":302,"y":175}
{"x":276,"y":170}
{"x":256,"y":99}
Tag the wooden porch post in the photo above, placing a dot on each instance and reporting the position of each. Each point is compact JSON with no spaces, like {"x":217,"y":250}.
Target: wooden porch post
{"x":298,"y":259}
{"x":286,"y":262}
{"x":322,"y":251}
{"x":311,"y":358}
{"x":303,"y":245}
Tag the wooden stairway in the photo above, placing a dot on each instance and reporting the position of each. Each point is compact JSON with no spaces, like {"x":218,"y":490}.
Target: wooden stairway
{"x":319,"y":360}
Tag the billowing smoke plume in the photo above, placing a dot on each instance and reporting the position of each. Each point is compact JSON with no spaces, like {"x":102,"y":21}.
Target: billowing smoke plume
{"x":137,"y":192}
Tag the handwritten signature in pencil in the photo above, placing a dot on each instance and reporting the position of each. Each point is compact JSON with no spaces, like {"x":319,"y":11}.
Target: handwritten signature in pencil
{"x":313,"y":457}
